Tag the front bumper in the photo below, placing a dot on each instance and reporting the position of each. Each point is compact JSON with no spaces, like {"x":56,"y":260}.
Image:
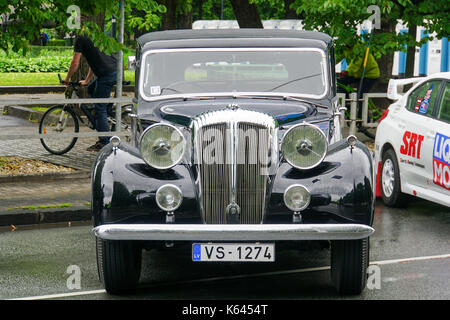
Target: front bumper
{"x":234,"y":232}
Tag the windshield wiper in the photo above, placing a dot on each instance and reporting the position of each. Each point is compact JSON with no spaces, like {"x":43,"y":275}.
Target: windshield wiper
{"x":281,"y":97}
{"x":305,"y":101}
{"x":295,"y":80}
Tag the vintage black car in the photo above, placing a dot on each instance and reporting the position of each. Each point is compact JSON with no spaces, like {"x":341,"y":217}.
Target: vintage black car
{"x":237,"y":149}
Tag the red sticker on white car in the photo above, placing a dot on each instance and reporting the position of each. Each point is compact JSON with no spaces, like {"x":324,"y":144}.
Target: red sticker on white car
{"x":412,"y":143}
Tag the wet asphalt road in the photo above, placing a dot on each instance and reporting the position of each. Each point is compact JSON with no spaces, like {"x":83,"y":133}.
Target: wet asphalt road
{"x":34,"y":261}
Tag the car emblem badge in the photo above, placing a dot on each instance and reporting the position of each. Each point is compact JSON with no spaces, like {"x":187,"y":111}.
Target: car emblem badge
{"x":233,"y":213}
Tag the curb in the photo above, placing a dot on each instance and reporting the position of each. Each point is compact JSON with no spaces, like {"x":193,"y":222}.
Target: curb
{"x":53,"y":176}
{"x":41,"y":216}
{"x":23,"y":113}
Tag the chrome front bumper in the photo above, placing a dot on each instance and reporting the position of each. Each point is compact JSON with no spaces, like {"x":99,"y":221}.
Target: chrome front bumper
{"x":232,"y":232}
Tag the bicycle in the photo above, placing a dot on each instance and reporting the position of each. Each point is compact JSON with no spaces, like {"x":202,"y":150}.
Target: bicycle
{"x":64,"y":118}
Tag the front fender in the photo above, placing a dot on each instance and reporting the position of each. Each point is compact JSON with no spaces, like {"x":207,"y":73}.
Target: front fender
{"x":342,"y":187}
{"x":124,"y":188}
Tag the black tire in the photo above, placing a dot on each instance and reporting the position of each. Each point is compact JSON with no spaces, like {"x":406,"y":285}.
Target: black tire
{"x":349,"y":263}
{"x":119,"y":265}
{"x":49,"y":122}
{"x":390,"y":183}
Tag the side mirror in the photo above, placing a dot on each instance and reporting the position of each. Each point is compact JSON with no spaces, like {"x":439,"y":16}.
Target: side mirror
{"x":131,"y":63}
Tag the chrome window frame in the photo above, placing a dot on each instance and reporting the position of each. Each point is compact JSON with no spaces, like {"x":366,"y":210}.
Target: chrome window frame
{"x":325,"y":78}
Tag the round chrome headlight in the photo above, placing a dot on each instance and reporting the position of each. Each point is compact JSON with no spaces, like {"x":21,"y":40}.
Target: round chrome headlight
{"x":297,"y":198}
{"x":169,"y":197}
{"x":304,"y":146}
{"x":162,"y":146}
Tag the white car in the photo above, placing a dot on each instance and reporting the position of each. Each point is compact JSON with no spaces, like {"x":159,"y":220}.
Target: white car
{"x":412,"y":144}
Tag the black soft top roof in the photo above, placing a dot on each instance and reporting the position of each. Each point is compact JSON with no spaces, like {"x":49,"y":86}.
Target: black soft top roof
{"x":196,"y":34}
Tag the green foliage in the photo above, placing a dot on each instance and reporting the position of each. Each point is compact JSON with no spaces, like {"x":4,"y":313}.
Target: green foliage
{"x":42,"y":64}
{"x":57,"y":42}
{"x":30,"y":16}
{"x":340,"y":18}
{"x":38,"y":51}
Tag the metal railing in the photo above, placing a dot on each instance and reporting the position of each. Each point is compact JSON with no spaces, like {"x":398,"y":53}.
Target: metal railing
{"x":353,"y":100}
{"x":342,"y":103}
{"x":27,"y":102}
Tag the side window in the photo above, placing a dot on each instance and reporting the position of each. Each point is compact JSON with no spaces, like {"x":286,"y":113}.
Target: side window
{"x":444,"y":110}
{"x":422,"y":99}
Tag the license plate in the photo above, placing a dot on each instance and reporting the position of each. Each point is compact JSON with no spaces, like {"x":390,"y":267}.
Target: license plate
{"x":228,"y":252}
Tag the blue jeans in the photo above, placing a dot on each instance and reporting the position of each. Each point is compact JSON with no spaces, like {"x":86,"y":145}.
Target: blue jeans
{"x":101,"y":88}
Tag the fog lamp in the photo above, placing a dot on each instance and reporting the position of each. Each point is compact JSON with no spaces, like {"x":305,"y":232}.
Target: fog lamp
{"x":169,"y":197}
{"x":297,"y":197}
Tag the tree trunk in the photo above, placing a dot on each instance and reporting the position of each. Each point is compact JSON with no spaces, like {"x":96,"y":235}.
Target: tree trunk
{"x":411,"y":52}
{"x":290,"y":13}
{"x":385,"y":63}
{"x":170,"y":17}
{"x":247,"y":14}
{"x":185,"y":20}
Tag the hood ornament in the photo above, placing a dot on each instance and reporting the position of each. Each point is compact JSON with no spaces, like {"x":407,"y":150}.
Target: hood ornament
{"x":232,"y":106}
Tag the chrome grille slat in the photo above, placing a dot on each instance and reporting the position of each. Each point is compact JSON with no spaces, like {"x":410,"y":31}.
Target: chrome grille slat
{"x":236,"y":174}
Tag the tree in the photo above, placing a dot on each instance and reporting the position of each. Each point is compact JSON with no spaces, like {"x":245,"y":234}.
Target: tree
{"x":340,"y":19}
{"x":26,"y":18}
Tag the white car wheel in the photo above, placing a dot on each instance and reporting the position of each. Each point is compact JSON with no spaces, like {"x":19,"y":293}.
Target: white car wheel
{"x":390,"y":180}
{"x":388,"y":177}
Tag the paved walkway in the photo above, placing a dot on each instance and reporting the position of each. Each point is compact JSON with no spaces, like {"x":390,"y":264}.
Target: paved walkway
{"x":31,"y":202}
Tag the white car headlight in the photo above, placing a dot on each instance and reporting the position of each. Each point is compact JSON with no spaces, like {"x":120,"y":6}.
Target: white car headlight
{"x":304,"y":146}
{"x":162,"y":146}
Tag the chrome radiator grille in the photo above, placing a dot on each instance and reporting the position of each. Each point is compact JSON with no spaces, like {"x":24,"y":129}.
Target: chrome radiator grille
{"x":232,"y":151}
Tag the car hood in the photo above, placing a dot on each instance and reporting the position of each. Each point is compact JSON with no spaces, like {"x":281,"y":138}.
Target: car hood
{"x":182,"y":112}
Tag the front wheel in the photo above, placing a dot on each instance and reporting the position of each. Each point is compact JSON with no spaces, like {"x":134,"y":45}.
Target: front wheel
{"x":349,"y":263}
{"x":58,"y":120}
{"x":390,"y":180}
{"x":119,"y":265}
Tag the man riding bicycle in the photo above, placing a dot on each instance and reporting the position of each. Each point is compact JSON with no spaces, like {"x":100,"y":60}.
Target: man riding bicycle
{"x":104,"y":68}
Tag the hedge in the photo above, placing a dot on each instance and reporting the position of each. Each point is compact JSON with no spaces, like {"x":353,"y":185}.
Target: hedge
{"x":42,"y":64}
{"x":57,"y":42}
{"x":39,"y":51}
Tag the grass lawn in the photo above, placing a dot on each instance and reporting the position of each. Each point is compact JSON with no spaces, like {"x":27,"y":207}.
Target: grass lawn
{"x":40,"y":79}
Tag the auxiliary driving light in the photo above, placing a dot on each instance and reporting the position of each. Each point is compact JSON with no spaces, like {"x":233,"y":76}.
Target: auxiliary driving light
{"x":115,"y":141}
{"x":352,"y":140}
{"x":297,"y":197}
{"x":169,"y":197}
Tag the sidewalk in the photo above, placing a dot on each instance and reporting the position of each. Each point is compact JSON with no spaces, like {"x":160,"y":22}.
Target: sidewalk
{"x":43,"y":198}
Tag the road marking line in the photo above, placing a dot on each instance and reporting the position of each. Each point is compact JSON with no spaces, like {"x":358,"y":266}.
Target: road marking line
{"x":62,"y":295}
{"x":442,"y":256}
{"x":382,"y":262}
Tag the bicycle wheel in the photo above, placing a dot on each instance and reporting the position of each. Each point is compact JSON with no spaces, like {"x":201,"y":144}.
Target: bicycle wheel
{"x":58,"y":119}
{"x":125,"y":126}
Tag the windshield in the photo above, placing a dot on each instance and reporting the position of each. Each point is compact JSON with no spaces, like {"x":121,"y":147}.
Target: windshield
{"x":184,"y":72}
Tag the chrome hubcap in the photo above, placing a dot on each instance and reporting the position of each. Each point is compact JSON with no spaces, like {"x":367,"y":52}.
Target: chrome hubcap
{"x":387,"y":178}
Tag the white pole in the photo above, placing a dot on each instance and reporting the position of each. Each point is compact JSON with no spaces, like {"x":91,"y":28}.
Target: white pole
{"x":353,"y":112}
{"x":120,"y":66}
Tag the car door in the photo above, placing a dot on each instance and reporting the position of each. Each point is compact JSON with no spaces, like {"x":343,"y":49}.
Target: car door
{"x":440,"y":156}
{"x":417,"y":138}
